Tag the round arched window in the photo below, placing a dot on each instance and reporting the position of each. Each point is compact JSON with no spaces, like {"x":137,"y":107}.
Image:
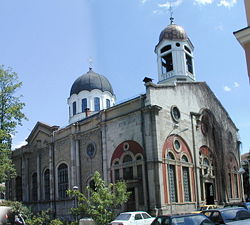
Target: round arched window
{"x":170,"y":156}
{"x":184,"y":159}
{"x":91,"y":150}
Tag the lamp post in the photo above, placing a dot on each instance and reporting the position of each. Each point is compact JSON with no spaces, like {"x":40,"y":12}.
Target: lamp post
{"x":75,"y":188}
{"x":175,"y":126}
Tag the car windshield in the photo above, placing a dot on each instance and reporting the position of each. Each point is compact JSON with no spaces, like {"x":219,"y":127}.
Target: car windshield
{"x":235,"y":214}
{"x":191,"y":220}
{"x":248,"y":205}
{"x":123,"y":216}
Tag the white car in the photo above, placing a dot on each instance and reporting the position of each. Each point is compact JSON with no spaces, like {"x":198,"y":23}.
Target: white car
{"x":135,"y":218}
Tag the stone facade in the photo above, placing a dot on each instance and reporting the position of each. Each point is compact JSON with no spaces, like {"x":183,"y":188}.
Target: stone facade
{"x":175,"y":146}
{"x":145,"y":130}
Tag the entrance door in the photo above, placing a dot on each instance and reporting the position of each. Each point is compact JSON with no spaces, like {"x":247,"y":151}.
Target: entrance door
{"x":209,"y":188}
{"x":131,"y":204}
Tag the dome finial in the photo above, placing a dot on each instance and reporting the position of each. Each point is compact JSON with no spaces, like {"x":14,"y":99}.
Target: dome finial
{"x":90,"y":63}
{"x":171,"y":11}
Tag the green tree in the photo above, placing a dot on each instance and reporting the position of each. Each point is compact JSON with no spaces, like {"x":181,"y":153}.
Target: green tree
{"x":11,"y":115}
{"x":101,"y":201}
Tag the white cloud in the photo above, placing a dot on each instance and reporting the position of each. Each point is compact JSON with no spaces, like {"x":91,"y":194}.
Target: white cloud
{"x":168,"y":4}
{"x":227,"y":3}
{"x":143,"y":1}
{"x":203,"y":2}
{"x":236,"y":84}
{"x":226,"y":88}
{"x":18,"y":145}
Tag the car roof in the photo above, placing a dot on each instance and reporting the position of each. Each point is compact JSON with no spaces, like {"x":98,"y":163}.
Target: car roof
{"x":182,"y":215}
{"x":225,"y":209}
{"x":134,"y":212}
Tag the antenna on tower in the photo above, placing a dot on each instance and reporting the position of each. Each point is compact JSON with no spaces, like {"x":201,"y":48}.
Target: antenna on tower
{"x":171,"y":11}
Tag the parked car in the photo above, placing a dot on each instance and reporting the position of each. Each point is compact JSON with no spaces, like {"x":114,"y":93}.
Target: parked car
{"x":188,"y":219}
{"x":135,"y":218}
{"x":228,"y":215}
{"x":205,"y":207}
{"x":245,"y":205}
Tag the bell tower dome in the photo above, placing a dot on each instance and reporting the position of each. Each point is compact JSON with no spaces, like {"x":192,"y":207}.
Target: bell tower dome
{"x":174,"y":56}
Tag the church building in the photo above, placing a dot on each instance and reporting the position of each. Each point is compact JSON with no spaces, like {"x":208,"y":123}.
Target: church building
{"x":175,"y":146}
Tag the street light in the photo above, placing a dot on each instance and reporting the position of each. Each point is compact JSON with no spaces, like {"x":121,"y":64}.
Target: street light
{"x":175,"y":126}
{"x":75,"y":188}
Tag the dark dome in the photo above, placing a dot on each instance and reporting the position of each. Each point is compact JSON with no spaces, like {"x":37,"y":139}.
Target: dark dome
{"x":173,"y":32}
{"x":89,"y":82}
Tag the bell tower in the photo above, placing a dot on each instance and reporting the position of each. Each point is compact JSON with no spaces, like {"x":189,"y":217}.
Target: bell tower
{"x":174,"y":55}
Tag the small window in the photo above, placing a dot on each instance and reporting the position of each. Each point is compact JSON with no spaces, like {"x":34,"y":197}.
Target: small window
{"x":84,"y":104}
{"x":184,"y":158}
{"x":167,"y":63}
{"x":187,"y":49}
{"x":177,"y":145}
{"x":74,"y":108}
{"x":91,"y":150}
{"x":170,"y":156}
{"x":206,"y":162}
{"x":127,"y":158}
{"x":175,"y":113}
{"x":178,"y":44}
{"x":107,"y":103}
{"x":97,"y":103}
{"x":165,"y":48}
{"x":146,"y":216}
{"x":189,"y":63}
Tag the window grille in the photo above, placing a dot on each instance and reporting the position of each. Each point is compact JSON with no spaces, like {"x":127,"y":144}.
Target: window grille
{"x":186,"y":184}
{"x":46,"y":185}
{"x":172,"y":183}
{"x":62,"y":181}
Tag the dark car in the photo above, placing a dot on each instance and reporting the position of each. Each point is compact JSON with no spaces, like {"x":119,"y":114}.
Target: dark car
{"x":245,"y":205}
{"x":188,"y":219}
{"x":231,"y":215}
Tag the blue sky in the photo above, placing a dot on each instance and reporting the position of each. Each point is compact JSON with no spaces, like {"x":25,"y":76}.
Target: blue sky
{"x":49,"y":43}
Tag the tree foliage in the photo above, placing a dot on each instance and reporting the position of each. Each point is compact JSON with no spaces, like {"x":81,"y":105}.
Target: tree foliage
{"x":11,"y":115}
{"x":101,"y":201}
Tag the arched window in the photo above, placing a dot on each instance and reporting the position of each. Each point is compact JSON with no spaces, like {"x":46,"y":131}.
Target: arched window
{"x":186,"y":179}
{"x":189,"y":63}
{"x":170,"y":156}
{"x":166,"y":48}
{"x":97,"y":103}
{"x":74,"y":108}
{"x":107,"y":103}
{"x":62,"y":181}
{"x":187,"y":49}
{"x":19,"y":190}
{"x":172,"y":178}
{"x":84,"y":104}
{"x":46,"y":180}
{"x":34,"y":187}
{"x":128,"y":168}
{"x":184,"y":159}
{"x":167,"y":63}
